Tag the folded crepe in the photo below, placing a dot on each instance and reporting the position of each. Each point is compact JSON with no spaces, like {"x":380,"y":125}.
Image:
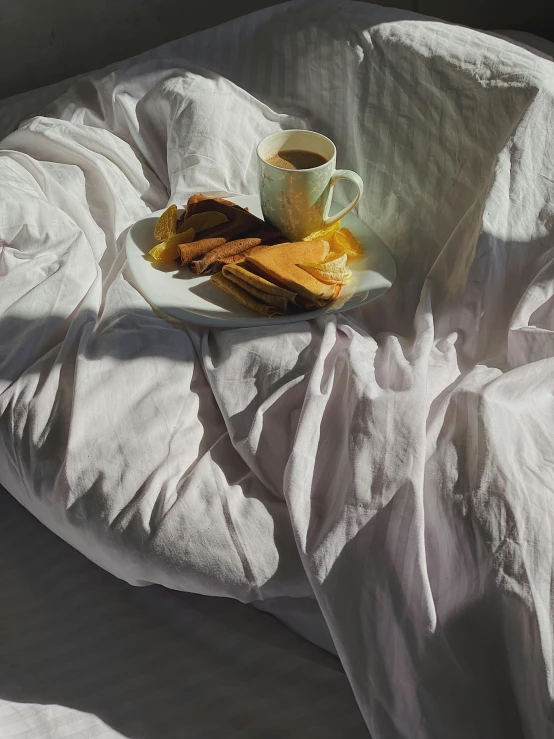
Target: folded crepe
{"x":279,"y":264}
{"x":199,"y":197}
{"x":220,"y":262}
{"x":269,"y":280}
{"x":258,"y":287}
{"x":192,"y":203}
{"x":196,"y":249}
{"x":227,"y":249}
{"x":239,"y":221}
{"x":241,"y":296}
{"x":268,"y":234}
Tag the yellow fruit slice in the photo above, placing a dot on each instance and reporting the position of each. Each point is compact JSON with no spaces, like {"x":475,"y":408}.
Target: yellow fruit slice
{"x":166,"y":224}
{"x":329,"y":278}
{"x":344,"y":241}
{"x":201,"y":221}
{"x":338,"y":261}
{"x":168,"y":251}
{"x":324,"y":234}
{"x":331,"y":272}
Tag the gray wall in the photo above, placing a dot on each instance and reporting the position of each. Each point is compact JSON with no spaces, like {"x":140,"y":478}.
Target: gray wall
{"x":43,"y":41}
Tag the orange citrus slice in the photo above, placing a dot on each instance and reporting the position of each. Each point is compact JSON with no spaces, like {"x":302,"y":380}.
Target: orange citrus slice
{"x":345,"y":242}
{"x":338,"y":261}
{"x":168,"y":251}
{"x":166,"y":224}
{"x":330,"y":272}
{"x":324,"y":234}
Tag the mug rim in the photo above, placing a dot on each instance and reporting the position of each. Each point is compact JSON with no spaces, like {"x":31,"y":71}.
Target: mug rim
{"x":296,"y":130}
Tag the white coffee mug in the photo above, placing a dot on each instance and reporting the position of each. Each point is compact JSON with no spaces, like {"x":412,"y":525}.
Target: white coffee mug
{"x":297,"y":201}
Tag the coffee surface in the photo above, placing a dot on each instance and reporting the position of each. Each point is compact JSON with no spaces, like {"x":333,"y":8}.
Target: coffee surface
{"x":296,"y":159}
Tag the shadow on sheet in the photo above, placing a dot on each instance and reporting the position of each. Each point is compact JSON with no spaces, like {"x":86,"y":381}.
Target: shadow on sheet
{"x":83,"y":651}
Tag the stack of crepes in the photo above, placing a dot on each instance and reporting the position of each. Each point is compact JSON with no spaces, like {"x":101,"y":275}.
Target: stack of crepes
{"x":285,"y":278}
{"x":214,"y":232}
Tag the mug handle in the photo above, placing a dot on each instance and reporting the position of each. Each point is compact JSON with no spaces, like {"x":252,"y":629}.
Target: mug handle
{"x":342,"y":174}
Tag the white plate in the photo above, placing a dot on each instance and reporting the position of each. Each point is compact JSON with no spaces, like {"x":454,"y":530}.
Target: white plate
{"x":179,"y":293}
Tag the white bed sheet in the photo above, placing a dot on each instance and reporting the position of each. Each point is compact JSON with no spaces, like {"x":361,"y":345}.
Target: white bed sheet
{"x":85,"y":655}
{"x":393,"y":463}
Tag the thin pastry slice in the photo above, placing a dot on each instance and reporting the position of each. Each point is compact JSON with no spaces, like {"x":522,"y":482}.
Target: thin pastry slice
{"x":276,"y":301}
{"x":197,"y":249}
{"x":280,"y":264}
{"x":235,"y":258}
{"x":239,"y":221}
{"x":237,"y":272}
{"x":227,"y":249}
{"x":241,"y":296}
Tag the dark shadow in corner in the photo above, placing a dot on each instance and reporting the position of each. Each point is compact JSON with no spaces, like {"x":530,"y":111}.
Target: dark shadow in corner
{"x":149,"y":662}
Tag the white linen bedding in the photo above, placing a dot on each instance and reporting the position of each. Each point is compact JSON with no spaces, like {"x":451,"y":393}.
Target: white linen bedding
{"x":391,"y":462}
{"x":83,"y":655}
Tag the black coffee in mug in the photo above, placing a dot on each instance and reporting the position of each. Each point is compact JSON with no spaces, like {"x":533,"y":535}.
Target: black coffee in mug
{"x":296,"y":159}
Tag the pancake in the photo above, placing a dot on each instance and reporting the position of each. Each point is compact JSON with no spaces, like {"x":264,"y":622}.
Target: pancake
{"x":280,"y":263}
{"x":244,"y":277}
{"x":227,"y":249}
{"x":241,"y":296}
{"x":195,"y":249}
{"x":235,"y":258}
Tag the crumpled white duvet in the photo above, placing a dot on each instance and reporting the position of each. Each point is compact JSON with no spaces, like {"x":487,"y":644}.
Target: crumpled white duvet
{"x":393,"y":462}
